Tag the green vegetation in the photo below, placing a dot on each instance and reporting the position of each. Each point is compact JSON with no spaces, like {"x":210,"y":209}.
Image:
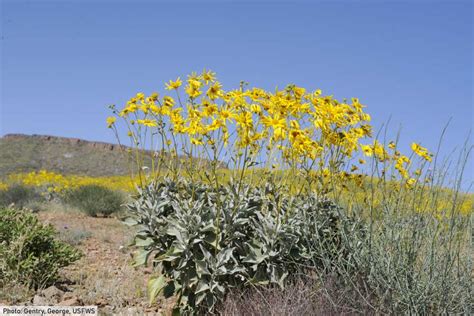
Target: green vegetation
{"x":391,"y":263}
{"x":29,"y":251}
{"x":262,"y":237}
{"x":94,"y":200}
{"x":19,"y":195}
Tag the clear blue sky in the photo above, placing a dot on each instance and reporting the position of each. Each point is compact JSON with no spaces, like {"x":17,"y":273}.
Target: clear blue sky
{"x":63,"y":62}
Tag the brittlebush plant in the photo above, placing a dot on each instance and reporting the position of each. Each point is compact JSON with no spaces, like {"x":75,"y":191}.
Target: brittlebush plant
{"x":302,"y":142}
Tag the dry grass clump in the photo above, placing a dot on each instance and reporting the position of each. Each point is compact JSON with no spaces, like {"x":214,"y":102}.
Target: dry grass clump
{"x":302,"y":296}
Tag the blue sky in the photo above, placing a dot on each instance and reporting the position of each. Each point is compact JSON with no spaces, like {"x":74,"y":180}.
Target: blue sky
{"x":63,"y":62}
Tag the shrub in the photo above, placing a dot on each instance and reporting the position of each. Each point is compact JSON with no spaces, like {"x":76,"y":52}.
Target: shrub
{"x":205,"y":241}
{"x":412,"y":264}
{"x":73,"y":236}
{"x":29,"y":252}
{"x":94,"y":200}
{"x":19,"y":195}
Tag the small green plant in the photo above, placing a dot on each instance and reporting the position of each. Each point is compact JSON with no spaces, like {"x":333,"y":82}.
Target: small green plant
{"x":94,"y":200}
{"x":204,"y":242}
{"x":19,"y":195}
{"x":29,"y":252}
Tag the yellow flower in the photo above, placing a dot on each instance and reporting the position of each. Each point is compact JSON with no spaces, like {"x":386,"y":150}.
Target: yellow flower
{"x":417,"y":148}
{"x":410,"y":182}
{"x":153,"y":97}
{"x":421,"y":151}
{"x":367,"y":150}
{"x":130,"y":108}
{"x":196,"y":141}
{"x":193,"y":90}
{"x":110,"y":121}
{"x":214,"y":91}
{"x":299,"y":92}
{"x":147,"y":122}
{"x":279,"y":133}
{"x":210,"y":109}
{"x":365,"y":117}
{"x":216,"y":124}
{"x":294,"y":124}
{"x":274,"y":121}
{"x":168,"y":101}
{"x":155,"y":109}
{"x":174,"y":85}
{"x":255,"y":108}
{"x":244,"y":119}
{"x":226,"y":114}
{"x":208,"y":76}
{"x":357,"y":105}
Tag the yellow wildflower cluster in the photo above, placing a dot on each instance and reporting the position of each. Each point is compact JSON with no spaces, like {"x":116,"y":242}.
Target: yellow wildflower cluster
{"x":421,"y":151}
{"x":54,"y":182}
{"x":301,"y":124}
{"x":3,"y":186}
{"x":294,"y":127}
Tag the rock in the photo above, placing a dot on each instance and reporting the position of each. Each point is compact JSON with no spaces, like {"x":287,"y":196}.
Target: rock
{"x":73,"y":301}
{"x":40,"y":301}
{"x":52,"y":294}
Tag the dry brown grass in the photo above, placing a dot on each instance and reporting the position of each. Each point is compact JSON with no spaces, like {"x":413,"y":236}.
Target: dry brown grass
{"x":303,"y":296}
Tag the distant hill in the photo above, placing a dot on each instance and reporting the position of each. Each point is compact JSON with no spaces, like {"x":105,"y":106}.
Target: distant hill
{"x":25,"y":153}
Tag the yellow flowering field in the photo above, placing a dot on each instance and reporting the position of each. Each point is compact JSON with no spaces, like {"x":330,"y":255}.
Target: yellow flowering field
{"x":55,"y":182}
{"x":353,"y":194}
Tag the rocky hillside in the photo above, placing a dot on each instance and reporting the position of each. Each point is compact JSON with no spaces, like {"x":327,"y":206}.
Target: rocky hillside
{"x":24,"y":153}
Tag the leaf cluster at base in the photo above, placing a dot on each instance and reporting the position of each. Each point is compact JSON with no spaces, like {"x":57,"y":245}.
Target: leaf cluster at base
{"x":206,"y":241}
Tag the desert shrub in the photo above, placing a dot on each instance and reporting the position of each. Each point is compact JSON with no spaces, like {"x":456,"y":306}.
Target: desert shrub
{"x":402,"y":265}
{"x":29,"y":252}
{"x":411,"y":264}
{"x":205,"y":241}
{"x":19,"y":195}
{"x":94,"y":200}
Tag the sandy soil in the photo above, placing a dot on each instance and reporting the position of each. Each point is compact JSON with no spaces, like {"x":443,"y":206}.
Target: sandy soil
{"x":104,"y":276}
